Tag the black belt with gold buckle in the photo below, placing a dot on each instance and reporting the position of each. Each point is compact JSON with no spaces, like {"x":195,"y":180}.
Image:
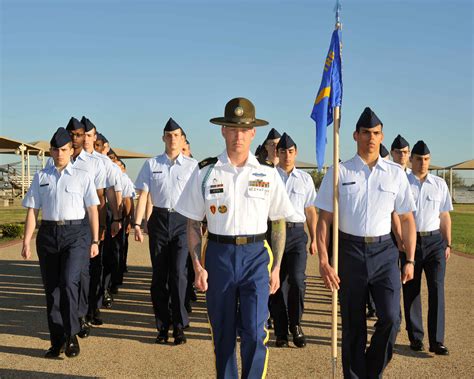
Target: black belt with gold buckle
{"x":366,"y":239}
{"x":62,"y":222}
{"x":426,"y":234}
{"x":236,"y":240}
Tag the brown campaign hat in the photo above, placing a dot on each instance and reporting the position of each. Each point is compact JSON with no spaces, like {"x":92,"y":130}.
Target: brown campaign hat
{"x":239,"y":113}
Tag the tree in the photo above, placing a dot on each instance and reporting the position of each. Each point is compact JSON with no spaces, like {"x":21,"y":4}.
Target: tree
{"x":317,"y":178}
{"x":458,"y":181}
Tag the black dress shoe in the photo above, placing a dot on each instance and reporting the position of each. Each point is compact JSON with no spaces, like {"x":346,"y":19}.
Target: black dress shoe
{"x":54,"y":351}
{"x":108,"y":300}
{"x":85,"y":328}
{"x":72,"y":347}
{"x":439,"y":349}
{"x":281,"y":341}
{"x":94,"y":318}
{"x":162,"y":337}
{"x":298,"y":336}
{"x":179,"y":337}
{"x":416,"y":345}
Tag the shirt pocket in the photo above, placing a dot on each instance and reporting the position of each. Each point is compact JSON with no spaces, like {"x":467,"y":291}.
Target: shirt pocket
{"x":433,"y":201}
{"x":387,"y":193}
{"x":74,"y":197}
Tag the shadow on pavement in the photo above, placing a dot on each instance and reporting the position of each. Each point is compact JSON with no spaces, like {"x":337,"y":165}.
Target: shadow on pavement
{"x":11,"y":373}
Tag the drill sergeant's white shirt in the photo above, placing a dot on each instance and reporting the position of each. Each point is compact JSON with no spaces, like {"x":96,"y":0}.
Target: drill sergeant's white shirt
{"x":431,"y":197}
{"x":300,"y":189}
{"x":61,"y":196}
{"x":113,"y":174}
{"x":89,"y":163}
{"x":236,"y":200}
{"x":367,"y":197}
{"x":164,"y":180}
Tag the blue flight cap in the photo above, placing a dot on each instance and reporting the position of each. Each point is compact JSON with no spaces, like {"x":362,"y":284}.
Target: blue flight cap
{"x":101,"y":137}
{"x":171,"y":126}
{"x":286,"y":142}
{"x":60,"y":138}
{"x":273,"y":134}
{"x":420,"y":148}
{"x":88,"y":125}
{"x":383,"y":151}
{"x":368,"y":119}
{"x":74,"y":124}
{"x":399,"y":143}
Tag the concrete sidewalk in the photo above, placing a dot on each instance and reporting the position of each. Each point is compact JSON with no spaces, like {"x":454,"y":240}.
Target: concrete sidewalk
{"x":124,"y":345}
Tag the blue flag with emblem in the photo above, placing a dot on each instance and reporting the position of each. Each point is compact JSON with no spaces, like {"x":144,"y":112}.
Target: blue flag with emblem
{"x":329,"y":95}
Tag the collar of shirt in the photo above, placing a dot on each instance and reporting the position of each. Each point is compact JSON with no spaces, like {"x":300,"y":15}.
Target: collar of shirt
{"x":163,"y":158}
{"x":52,"y":169}
{"x":223,"y":160}
{"x":361,"y":165}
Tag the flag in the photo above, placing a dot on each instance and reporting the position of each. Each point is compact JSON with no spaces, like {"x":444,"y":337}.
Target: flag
{"x":329,"y":95}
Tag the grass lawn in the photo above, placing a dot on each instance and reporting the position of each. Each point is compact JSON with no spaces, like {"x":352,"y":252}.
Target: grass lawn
{"x":13,"y":214}
{"x":463,"y":228}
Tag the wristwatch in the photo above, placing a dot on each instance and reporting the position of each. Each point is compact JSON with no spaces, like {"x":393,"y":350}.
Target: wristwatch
{"x":410,"y":262}
{"x":95,"y":243}
{"x":135,"y":224}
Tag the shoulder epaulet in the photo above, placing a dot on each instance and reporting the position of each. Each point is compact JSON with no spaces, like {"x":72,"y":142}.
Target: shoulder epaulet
{"x":207,"y":162}
{"x":265,"y":162}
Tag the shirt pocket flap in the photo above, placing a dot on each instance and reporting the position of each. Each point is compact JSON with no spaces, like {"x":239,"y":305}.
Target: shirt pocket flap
{"x":73,"y":188}
{"x":256,"y":193}
{"x":388,"y":187}
{"x":433,"y":197}
{"x":299,"y":189}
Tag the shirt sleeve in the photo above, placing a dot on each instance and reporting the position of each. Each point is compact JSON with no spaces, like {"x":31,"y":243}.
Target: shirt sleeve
{"x":191,"y":203}
{"x":404,"y":201}
{"x":143,"y":179}
{"x":446,"y":203}
{"x":280,"y":204}
{"x":33,"y":198}
{"x":100,"y":176}
{"x":325,"y":194}
{"x":118,"y":186}
{"x":90,"y":192}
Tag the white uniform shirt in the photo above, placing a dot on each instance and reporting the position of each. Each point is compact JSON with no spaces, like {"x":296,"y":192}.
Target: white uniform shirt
{"x":367,"y":198}
{"x":236,"y":200}
{"x":61,"y":196}
{"x":113,"y":174}
{"x":300,"y":189}
{"x":128,"y":186}
{"x":89,"y":163}
{"x":431,"y":197}
{"x":164,"y":180}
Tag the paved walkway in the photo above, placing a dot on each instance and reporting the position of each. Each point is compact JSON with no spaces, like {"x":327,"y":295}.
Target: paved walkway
{"x":124,"y":345}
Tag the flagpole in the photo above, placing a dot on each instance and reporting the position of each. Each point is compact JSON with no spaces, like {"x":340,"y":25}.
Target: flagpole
{"x":335,"y":223}
{"x":335,"y":235}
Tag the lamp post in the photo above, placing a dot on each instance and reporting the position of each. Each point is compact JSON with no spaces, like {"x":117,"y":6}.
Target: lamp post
{"x":22,"y":149}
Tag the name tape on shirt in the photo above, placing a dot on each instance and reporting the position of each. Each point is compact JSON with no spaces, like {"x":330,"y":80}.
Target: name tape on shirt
{"x":216,"y":188}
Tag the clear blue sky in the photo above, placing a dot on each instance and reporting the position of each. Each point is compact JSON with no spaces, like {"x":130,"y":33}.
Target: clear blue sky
{"x":130,"y":65}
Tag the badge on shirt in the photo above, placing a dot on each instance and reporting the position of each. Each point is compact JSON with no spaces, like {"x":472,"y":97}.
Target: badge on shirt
{"x":348,"y":183}
{"x":259,"y":174}
{"x":44,"y":185}
{"x":216,"y":188}
{"x":222,"y":209}
{"x":212,"y":208}
{"x":157,"y":172}
{"x":259,"y":183}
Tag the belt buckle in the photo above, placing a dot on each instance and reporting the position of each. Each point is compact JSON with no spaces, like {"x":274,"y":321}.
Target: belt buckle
{"x":369,"y":239}
{"x":240,"y":240}
{"x":170,"y":210}
{"x":424,"y":234}
{"x":62,"y":222}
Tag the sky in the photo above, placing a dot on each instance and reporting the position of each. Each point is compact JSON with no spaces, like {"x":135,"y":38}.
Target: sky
{"x":130,"y":65}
